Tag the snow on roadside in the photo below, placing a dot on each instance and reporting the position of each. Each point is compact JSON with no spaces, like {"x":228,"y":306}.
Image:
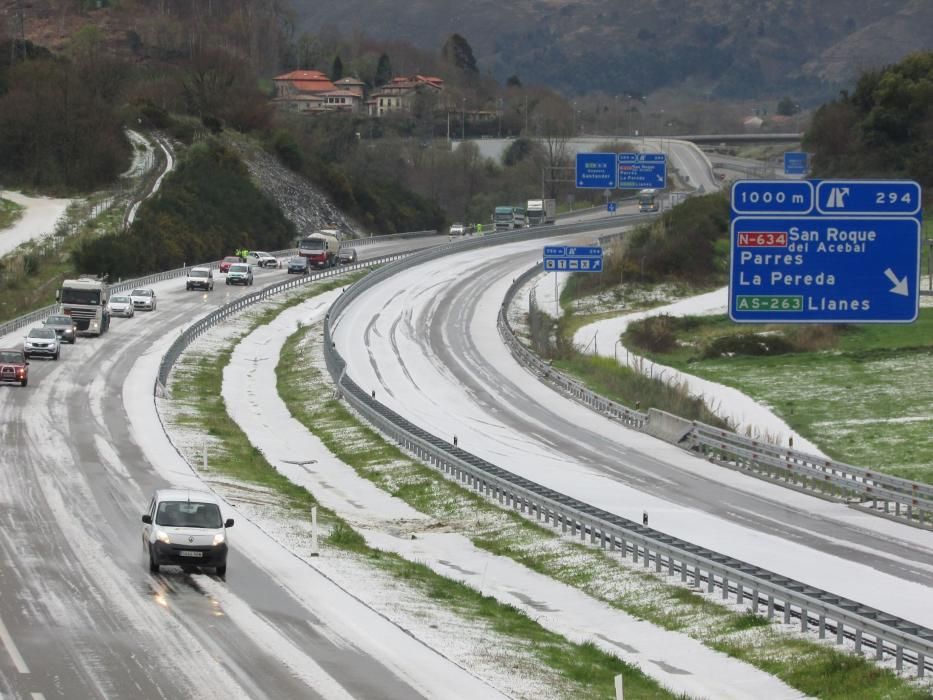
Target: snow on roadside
{"x":39,"y":218}
{"x":143,"y":155}
{"x":749,"y":416}
{"x":677,"y":661}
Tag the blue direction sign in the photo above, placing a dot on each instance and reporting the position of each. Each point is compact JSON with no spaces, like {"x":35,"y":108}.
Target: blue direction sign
{"x":596,"y":170}
{"x":611,"y":207}
{"x":772,"y":197}
{"x":638,"y":171}
{"x":573,"y":259}
{"x":868,"y":197}
{"x":795,"y":163}
{"x":816,"y":269}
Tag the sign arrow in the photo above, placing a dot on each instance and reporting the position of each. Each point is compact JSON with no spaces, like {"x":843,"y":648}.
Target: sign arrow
{"x":900,"y":285}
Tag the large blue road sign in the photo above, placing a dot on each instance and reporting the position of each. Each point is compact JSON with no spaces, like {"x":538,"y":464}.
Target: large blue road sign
{"x":639,"y":171}
{"x":772,"y":197}
{"x":795,"y":163}
{"x":816,"y":269}
{"x":596,"y":170}
{"x":825,"y":251}
{"x":573,"y":259}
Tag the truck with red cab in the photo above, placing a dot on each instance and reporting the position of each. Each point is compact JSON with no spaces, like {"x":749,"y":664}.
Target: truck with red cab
{"x":320,"y":248}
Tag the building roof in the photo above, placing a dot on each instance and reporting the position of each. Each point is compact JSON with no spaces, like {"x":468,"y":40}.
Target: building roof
{"x":307,"y":81}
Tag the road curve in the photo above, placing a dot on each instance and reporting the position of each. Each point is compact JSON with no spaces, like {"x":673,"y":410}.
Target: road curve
{"x":426,"y":342}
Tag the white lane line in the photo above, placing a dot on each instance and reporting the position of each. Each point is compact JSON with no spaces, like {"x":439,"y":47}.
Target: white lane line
{"x":37,"y":696}
{"x":7,"y":640}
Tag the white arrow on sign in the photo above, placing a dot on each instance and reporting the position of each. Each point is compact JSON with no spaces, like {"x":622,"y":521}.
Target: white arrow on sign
{"x":900,"y":285}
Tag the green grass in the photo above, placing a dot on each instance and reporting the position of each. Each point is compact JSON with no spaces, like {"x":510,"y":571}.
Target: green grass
{"x":868,"y":401}
{"x":10,"y":212}
{"x":306,"y":391}
{"x":581,"y":670}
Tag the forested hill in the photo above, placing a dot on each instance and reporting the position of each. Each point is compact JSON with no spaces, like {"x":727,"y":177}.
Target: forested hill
{"x":731,"y":48}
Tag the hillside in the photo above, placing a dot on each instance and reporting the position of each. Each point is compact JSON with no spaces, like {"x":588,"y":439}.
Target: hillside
{"x":730,"y":48}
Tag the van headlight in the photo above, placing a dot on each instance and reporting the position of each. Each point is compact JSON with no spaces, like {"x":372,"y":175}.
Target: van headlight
{"x":162,"y":536}
{"x":219,"y":538}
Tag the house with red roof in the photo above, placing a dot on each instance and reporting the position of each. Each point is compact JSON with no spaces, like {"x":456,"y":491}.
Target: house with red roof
{"x":399,"y":94}
{"x":313,"y":91}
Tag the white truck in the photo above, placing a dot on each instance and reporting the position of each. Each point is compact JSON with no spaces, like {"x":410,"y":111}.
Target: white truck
{"x":508,"y":218}
{"x":541,"y":211}
{"x":85,"y":300}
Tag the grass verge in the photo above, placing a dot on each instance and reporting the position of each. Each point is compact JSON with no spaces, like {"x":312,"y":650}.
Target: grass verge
{"x":302,"y":384}
{"x":583,"y":670}
{"x":10,"y":212}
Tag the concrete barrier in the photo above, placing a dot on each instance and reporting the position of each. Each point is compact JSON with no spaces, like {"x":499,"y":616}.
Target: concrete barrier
{"x":667,"y":426}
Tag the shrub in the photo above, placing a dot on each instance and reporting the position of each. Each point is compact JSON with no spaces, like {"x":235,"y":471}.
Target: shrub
{"x":653,"y":334}
{"x":754,"y":344}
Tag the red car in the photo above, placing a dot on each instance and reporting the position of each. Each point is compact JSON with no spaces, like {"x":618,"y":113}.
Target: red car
{"x":14,"y":367}
{"x":228,"y":261}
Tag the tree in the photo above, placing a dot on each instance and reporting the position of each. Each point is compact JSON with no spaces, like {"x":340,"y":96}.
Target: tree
{"x":383,"y":71}
{"x":457,"y":52}
{"x":513,"y":81}
{"x":336,"y":71}
{"x":787,"y":107}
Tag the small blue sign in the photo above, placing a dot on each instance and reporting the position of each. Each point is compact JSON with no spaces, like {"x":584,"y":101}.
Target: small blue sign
{"x":795,"y":163}
{"x":573,"y":259}
{"x":820,"y":269}
{"x":611,"y":207}
{"x":596,"y":170}
{"x":639,"y":171}
{"x":868,"y":197}
{"x":772,"y":197}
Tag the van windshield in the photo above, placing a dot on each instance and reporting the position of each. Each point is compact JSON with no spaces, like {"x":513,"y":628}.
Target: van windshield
{"x":188,"y":514}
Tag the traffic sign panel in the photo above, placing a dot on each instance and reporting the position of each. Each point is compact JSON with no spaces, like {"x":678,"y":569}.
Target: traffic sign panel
{"x":573,"y":259}
{"x":772,"y":197}
{"x":611,"y":207}
{"x":815,"y":269}
{"x":795,"y":163}
{"x":868,"y":197}
{"x":639,"y":171}
{"x":596,"y":170}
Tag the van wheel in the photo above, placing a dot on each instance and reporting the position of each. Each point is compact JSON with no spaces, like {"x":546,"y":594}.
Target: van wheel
{"x":55,"y":356}
{"x":153,"y":567}
{"x":221,"y":570}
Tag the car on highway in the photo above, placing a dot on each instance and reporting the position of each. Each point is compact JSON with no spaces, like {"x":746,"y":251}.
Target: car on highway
{"x":144,"y":298}
{"x":345,"y":256}
{"x":185,"y":528}
{"x":298,"y":266}
{"x":225,"y":264}
{"x":14,"y":367}
{"x":121,"y":305}
{"x":64,"y":327}
{"x":41,"y":341}
{"x":199,"y":278}
{"x":459,"y":229}
{"x":262,"y":259}
{"x":240,"y":273}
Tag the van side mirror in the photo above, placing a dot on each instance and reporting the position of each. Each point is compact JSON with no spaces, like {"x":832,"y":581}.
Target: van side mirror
{"x":229,"y":522}
{"x":58,"y":295}
{"x":147,"y":519}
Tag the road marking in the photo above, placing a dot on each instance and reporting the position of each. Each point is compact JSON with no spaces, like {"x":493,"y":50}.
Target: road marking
{"x":7,"y":640}
{"x":37,"y":696}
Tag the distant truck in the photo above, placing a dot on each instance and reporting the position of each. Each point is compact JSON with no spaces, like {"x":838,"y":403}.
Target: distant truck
{"x":320,"y":248}
{"x":507,"y":218}
{"x":541,"y":211}
{"x":85,"y":300}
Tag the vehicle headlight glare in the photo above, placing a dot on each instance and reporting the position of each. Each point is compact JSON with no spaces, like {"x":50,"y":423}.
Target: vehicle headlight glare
{"x":219,"y":538}
{"x":162,"y":536}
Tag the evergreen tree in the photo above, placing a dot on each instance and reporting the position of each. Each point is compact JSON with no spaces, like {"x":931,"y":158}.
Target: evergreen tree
{"x":336,"y":71}
{"x":383,"y":71}
{"x":457,"y":52}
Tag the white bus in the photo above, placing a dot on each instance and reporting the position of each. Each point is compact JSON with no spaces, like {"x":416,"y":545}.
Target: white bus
{"x":648,"y":200}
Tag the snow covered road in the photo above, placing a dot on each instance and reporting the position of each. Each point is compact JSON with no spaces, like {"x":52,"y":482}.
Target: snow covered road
{"x":39,"y":218}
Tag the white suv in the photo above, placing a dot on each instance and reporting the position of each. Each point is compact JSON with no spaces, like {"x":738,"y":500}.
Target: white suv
{"x":185,"y":528}
{"x":200,"y":278}
{"x":262,"y":259}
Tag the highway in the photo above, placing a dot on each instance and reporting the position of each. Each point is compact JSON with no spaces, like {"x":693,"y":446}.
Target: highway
{"x":80,"y":614}
{"x":427,"y":343}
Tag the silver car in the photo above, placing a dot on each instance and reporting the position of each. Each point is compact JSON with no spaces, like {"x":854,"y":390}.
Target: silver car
{"x":121,"y":306}
{"x":41,"y":341}
{"x":144,"y":298}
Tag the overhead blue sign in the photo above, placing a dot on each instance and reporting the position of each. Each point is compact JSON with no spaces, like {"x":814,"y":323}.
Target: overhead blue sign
{"x":638,"y":171}
{"x":573,"y":259}
{"x":596,"y":170}
{"x":795,"y":163}
{"x":868,"y":197}
{"x":825,"y":269}
{"x":772,"y":197}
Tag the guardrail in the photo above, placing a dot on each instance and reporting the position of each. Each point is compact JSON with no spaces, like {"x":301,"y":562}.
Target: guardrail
{"x":882,"y":494}
{"x":812,"y":608}
{"x":358,"y":242}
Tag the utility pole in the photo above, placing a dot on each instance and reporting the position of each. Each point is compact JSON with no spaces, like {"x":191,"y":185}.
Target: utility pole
{"x":463,"y":121}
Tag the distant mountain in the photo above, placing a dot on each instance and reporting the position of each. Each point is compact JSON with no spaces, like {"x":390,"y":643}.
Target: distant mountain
{"x":730,"y":48}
